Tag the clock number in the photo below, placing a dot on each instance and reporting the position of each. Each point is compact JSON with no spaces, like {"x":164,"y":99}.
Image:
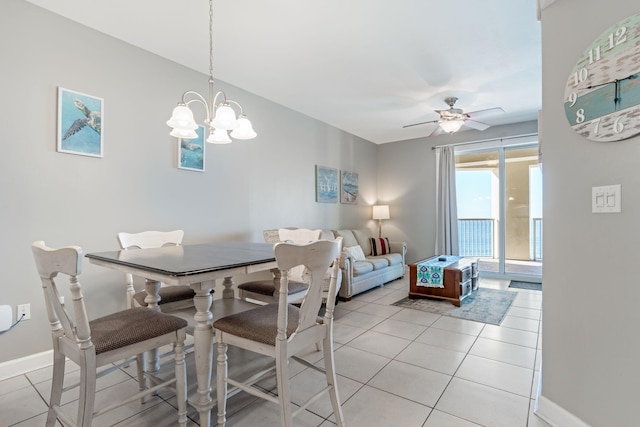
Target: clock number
{"x":594,"y":55}
{"x":618,"y":126}
{"x":580,"y":115}
{"x":580,"y":76}
{"x":573,"y":98}
{"x":620,"y":36}
{"x":596,"y":130}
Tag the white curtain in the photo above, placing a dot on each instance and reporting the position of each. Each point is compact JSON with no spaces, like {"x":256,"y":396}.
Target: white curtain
{"x":446,"y":205}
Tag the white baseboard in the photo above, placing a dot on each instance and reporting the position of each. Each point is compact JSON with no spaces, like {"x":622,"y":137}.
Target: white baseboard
{"x":555,"y":415}
{"x":25,"y":364}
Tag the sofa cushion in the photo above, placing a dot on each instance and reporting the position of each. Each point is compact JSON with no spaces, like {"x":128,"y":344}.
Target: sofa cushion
{"x":392,"y":259}
{"x":362,"y":236}
{"x":355,"y":252}
{"x":348,"y":239}
{"x":379,"y":246}
{"x":361,"y":267}
{"x":378,"y":263}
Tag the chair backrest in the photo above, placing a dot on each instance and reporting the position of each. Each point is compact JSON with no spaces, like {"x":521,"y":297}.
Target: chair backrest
{"x":317,"y":257}
{"x":150,"y":239}
{"x":67,"y":260}
{"x":299,"y":235}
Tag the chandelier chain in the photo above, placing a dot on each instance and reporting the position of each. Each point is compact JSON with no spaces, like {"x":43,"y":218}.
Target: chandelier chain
{"x":211,"y":39}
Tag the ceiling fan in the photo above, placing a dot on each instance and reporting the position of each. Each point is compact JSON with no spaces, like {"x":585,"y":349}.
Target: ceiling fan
{"x":453,"y":119}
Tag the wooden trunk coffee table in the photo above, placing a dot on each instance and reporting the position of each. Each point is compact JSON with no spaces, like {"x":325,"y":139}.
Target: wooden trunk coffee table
{"x":459,"y":280}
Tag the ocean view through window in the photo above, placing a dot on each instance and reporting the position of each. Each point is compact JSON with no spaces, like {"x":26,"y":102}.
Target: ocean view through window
{"x":499,"y":198}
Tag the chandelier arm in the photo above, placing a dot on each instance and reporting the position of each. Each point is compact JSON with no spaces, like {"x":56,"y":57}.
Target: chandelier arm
{"x":237,"y":104}
{"x":215,"y":99}
{"x":198,"y":98}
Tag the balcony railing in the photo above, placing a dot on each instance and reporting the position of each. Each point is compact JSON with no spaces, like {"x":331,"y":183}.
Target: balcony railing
{"x":476,"y":237}
{"x":536,"y":239}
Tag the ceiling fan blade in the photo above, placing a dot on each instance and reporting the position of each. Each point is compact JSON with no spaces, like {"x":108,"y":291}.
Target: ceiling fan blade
{"x":421,"y":123}
{"x":484,"y":113}
{"x":437,"y":131}
{"x":476,"y":125}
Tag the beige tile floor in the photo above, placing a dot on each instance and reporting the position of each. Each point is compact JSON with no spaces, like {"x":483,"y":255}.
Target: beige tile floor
{"x":396,"y":367}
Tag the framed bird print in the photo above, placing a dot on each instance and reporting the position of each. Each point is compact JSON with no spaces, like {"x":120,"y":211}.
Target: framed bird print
{"x":191,"y":152}
{"x":79,"y":123}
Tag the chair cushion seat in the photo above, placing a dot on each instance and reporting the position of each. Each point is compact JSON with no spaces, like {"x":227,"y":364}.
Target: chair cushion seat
{"x":167,"y":294}
{"x":267,"y":287}
{"x":258,"y":324}
{"x":131,"y":326}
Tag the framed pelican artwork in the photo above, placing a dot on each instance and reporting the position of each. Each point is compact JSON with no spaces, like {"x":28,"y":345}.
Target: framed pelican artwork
{"x":79,"y":123}
{"x":349,"y":187}
{"x":191,"y":152}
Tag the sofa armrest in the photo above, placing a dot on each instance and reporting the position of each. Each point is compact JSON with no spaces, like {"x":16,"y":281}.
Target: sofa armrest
{"x":346,"y":267}
{"x":399,"y":248}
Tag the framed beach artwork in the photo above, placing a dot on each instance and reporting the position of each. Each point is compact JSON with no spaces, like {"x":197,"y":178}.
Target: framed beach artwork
{"x":349,"y":188}
{"x":326,"y":184}
{"x":79,"y":123}
{"x":191,"y":152}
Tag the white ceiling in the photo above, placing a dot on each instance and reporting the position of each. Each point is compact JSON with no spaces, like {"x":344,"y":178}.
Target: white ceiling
{"x":365,"y":66}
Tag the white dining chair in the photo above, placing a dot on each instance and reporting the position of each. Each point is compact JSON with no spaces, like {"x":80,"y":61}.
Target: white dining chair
{"x":283,"y":331}
{"x":171,"y":297}
{"x":100,"y":342}
{"x":266,"y":291}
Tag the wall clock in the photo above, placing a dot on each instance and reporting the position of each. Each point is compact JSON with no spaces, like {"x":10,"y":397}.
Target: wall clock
{"x":602,"y":94}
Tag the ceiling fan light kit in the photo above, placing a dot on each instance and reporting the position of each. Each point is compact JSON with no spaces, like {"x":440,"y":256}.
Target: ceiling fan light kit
{"x":451,"y":126}
{"x":452,"y":119}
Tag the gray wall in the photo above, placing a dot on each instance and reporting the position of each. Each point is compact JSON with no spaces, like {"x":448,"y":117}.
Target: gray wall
{"x":406,"y":181}
{"x":67,"y":199}
{"x":590,"y":342}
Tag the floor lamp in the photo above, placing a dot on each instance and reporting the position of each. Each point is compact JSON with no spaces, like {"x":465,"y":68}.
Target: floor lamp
{"x":380,"y":212}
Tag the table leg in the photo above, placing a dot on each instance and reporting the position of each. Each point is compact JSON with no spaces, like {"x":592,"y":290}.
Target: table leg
{"x":152,"y":299}
{"x":228,"y":292}
{"x":203,"y":348}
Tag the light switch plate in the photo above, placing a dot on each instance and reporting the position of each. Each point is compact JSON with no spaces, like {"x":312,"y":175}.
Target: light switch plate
{"x":606,"y":199}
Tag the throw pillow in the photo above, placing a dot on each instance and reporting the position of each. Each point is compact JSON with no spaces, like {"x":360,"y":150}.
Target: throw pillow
{"x":356,"y":252}
{"x":379,"y":246}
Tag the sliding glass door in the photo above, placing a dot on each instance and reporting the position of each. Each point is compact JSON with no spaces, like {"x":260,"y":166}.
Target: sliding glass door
{"x":499,"y":195}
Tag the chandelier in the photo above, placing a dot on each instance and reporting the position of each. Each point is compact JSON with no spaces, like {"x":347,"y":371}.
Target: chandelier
{"x":221,"y":117}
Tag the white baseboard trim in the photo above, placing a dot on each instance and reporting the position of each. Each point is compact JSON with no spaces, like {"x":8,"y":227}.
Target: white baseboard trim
{"x":25,"y":364}
{"x":555,"y":415}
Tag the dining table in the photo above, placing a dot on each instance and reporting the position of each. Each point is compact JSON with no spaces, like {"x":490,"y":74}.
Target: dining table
{"x":198,"y":266}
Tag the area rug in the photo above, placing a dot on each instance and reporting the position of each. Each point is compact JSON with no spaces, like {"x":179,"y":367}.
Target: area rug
{"x":525,"y":285}
{"x":484,"y":305}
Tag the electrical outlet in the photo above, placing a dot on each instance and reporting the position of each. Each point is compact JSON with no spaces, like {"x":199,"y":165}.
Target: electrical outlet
{"x":23,"y":309}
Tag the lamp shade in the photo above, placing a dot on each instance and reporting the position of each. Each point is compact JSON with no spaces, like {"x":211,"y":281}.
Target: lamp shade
{"x":451,"y":126}
{"x":243,"y":130}
{"x":219,"y":136}
{"x":182,"y":118}
{"x":183,"y":133}
{"x":225,"y":118}
{"x":380,"y":212}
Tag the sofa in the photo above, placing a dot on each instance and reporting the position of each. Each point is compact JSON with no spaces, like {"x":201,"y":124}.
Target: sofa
{"x":367,"y":262}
